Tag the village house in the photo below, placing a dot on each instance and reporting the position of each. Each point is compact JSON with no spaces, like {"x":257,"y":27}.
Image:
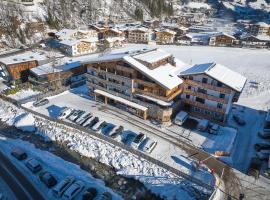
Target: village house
{"x":62,"y":72}
{"x":154,"y":23}
{"x":260,"y":28}
{"x":252,"y":41}
{"x":140,"y":35}
{"x":74,"y":47}
{"x":16,"y":67}
{"x":141,"y":82}
{"x":221,"y":39}
{"x":165,"y":36}
{"x":209,"y":90}
{"x":112,"y":37}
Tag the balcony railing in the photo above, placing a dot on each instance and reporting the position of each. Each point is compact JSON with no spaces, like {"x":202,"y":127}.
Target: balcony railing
{"x":205,"y":96}
{"x":208,"y":86}
{"x":203,"y":106}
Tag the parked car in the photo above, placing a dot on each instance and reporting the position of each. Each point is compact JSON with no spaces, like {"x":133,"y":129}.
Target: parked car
{"x":94,"y":121}
{"x":87,"y":122}
{"x":149,"y":145}
{"x":81,"y":112}
{"x":255,"y":167}
{"x":138,"y":140}
{"x":116,"y":131}
{"x":41,"y":102}
{"x":99,"y":125}
{"x":180,"y":118}
{"x":48,"y":179}
{"x":106,"y":196}
{"x":74,"y":115}
{"x":83,"y":117}
{"x":214,"y":129}
{"x":239,"y":120}
{"x":65,"y":113}
{"x":262,"y":146}
{"x":33,"y":165}
{"x":263,"y":154}
{"x":264,"y":135}
{"x":59,"y":189}
{"x":18,"y":153}
{"x":73,"y":190}
{"x":203,"y":125}
{"x":128,"y":137}
{"x":107,"y":129}
{"x":90,"y":194}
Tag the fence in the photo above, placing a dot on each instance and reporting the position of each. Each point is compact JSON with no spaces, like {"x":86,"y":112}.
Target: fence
{"x":115,"y":143}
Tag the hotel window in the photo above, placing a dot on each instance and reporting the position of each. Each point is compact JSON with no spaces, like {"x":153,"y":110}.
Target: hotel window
{"x":222,"y":96}
{"x":204,"y":80}
{"x":219,"y":84}
{"x":219,"y":105}
{"x":200,"y":100}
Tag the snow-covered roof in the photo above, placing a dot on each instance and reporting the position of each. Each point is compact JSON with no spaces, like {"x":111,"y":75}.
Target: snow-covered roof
{"x":28,"y":56}
{"x":57,"y":66}
{"x":142,"y":29}
{"x":121,"y":100}
{"x":114,"y":39}
{"x":167,"y":31}
{"x":218,"y":72}
{"x":226,"y":34}
{"x":164,"y":75}
{"x":66,"y":33}
{"x":152,"y":56}
{"x":263,"y":24}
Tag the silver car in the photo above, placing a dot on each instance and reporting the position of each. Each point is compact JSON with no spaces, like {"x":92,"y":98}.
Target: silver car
{"x":73,"y":190}
{"x":59,"y":189}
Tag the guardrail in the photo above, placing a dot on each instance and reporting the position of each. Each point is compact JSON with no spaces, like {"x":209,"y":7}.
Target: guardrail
{"x":118,"y":144}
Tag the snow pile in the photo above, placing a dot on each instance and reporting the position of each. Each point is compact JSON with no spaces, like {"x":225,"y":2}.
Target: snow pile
{"x":24,"y":94}
{"x":57,"y":166}
{"x":198,"y":5}
{"x":25,"y":122}
{"x":157,"y":179}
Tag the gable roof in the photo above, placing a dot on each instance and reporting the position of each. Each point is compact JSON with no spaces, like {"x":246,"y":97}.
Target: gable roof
{"x":220,"y":73}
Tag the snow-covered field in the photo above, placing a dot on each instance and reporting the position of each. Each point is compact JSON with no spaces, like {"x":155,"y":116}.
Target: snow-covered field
{"x":24,"y":94}
{"x":157,"y":179}
{"x":57,"y":166}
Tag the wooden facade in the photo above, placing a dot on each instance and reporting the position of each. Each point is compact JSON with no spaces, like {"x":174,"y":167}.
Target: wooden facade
{"x":165,"y":37}
{"x":221,"y":40}
{"x":20,"y":70}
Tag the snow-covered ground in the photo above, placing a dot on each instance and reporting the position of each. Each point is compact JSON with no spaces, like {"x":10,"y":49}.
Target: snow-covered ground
{"x":157,"y":179}
{"x":5,"y":191}
{"x":55,"y":165}
{"x":24,"y":94}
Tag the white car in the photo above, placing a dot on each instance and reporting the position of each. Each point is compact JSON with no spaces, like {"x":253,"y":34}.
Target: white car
{"x":87,"y":122}
{"x":64,"y":113}
{"x":98,"y":125}
{"x":82,"y":118}
{"x":59,"y":189}
{"x":138,"y":140}
{"x":73,"y":190}
{"x":149,"y":145}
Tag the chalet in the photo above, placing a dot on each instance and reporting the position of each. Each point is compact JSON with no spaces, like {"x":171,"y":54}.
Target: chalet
{"x":165,"y":36}
{"x":61,"y":72}
{"x":252,"y":41}
{"x":259,"y":28}
{"x":154,"y":23}
{"x":16,"y":66}
{"x":80,"y":47}
{"x":141,"y":82}
{"x":114,"y":42}
{"x":139,"y":35}
{"x":221,"y":39}
{"x":209,"y":90}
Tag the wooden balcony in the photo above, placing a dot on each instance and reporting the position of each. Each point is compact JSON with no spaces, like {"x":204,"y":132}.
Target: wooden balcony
{"x":167,"y":99}
{"x":203,"y":106}
{"x":207,"y":86}
{"x":205,"y":96}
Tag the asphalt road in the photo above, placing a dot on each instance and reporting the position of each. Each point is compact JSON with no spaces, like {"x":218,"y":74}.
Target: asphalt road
{"x":16,"y":180}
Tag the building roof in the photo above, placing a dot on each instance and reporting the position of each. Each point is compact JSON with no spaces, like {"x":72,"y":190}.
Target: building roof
{"x":65,"y":33}
{"x":218,"y":72}
{"x":226,"y":34}
{"x":72,"y":42}
{"x":263,"y":24}
{"x":164,"y":75}
{"x":28,"y":56}
{"x":167,"y":31}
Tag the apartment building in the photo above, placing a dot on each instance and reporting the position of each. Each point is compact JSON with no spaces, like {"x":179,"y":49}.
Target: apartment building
{"x":142,"y":82}
{"x":140,"y":35}
{"x":221,"y":39}
{"x":209,"y":90}
{"x":165,"y":36}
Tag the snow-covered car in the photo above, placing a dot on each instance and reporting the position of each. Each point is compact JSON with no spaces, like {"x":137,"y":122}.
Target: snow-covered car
{"x":73,"y":190}
{"x":93,"y":122}
{"x":107,"y":128}
{"x":149,"y":145}
{"x":263,"y":154}
{"x":65,"y":113}
{"x":203,"y":125}
{"x":264,"y":135}
{"x":18,"y":153}
{"x":180,"y":118}
{"x":128,"y":137}
{"x":262,"y":146}
{"x":75,"y":115}
{"x":87,"y":122}
{"x":239,"y":120}
{"x":48,"y":179}
{"x":83,"y":118}
{"x":33,"y":165}
{"x":41,"y":102}
{"x":60,"y":188}
{"x":116,"y":131}
{"x":99,"y":125}
{"x":89,"y":194}
{"x":214,"y":129}
{"x":138,"y":140}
